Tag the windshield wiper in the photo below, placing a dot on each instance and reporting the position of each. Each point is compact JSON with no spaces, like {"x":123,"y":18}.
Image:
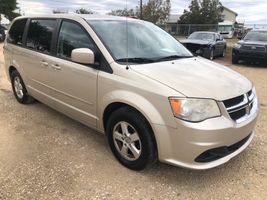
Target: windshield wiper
{"x":135,"y":60}
{"x":172,"y":57}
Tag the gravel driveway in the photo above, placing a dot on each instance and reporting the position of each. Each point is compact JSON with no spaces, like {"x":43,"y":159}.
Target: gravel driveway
{"x":46,"y":155}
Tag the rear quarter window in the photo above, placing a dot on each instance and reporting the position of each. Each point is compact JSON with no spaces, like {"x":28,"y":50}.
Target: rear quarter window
{"x":16,"y":32}
{"x":40,"y":34}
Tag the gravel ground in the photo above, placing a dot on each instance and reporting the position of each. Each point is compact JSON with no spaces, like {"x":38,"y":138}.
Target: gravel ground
{"x":46,"y":155}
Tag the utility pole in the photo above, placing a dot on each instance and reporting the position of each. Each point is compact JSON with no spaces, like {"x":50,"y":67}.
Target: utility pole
{"x":141,"y":9}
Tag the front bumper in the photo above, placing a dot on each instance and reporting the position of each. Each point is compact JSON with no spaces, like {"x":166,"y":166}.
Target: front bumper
{"x":201,"y":50}
{"x":249,"y":54}
{"x":182,"y":146}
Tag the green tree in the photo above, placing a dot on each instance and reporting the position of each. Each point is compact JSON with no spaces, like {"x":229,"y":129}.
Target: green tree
{"x":157,"y":11}
{"x":7,"y":8}
{"x":202,"y":12}
{"x":84,"y":11}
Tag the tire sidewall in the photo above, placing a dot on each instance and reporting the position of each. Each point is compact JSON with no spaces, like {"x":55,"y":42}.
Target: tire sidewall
{"x":15,"y":74}
{"x":235,"y":59}
{"x":211,"y":54}
{"x":224,"y":52}
{"x":144,"y":135}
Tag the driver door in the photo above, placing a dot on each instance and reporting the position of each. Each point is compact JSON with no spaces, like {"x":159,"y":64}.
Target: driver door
{"x":74,"y":85}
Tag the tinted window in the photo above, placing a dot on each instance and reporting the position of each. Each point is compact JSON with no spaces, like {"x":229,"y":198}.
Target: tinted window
{"x":16,"y":32}
{"x":72,"y":36}
{"x":202,"y":36}
{"x":40,"y":35}
{"x":256,"y":36}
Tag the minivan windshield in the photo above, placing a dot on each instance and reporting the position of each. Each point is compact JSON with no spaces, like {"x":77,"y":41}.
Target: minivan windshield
{"x":256,"y":36}
{"x":202,"y":36}
{"x":144,"y":43}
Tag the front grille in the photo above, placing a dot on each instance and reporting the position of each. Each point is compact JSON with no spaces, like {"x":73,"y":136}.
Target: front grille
{"x":193,"y":47}
{"x":253,"y":48}
{"x":233,"y":101}
{"x":240,"y":106}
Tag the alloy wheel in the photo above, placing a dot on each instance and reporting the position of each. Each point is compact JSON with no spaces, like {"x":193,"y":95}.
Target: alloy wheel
{"x":127,"y":141}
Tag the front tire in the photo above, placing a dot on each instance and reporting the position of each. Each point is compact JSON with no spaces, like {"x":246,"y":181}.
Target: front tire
{"x":211,"y":56}
{"x":19,"y":89}
{"x":131,"y":139}
{"x":224,"y":52}
{"x":235,"y":59}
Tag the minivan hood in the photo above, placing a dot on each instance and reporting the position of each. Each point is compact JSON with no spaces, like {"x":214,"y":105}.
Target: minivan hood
{"x":197,"y":77}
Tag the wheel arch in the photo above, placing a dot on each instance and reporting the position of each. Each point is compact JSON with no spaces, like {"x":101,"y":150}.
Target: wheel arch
{"x":112,"y":107}
{"x":10,"y":70}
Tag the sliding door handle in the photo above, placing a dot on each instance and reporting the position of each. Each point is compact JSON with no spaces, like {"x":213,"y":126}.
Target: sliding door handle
{"x":44,"y":63}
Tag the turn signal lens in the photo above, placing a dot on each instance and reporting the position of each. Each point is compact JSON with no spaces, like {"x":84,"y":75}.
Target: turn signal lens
{"x":176,"y":106}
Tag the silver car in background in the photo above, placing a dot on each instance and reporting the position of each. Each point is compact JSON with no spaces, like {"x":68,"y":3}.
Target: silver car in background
{"x":135,"y":83}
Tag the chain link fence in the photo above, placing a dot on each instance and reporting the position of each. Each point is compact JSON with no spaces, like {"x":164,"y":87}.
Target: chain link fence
{"x":183,"y":30}
{"x":187,"y":29}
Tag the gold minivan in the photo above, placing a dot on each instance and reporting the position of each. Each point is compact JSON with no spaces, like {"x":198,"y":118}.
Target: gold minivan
{"x":135,"y":83}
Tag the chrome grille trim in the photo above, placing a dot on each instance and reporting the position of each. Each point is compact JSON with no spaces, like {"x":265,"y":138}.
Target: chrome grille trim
{"x":241,"y":111}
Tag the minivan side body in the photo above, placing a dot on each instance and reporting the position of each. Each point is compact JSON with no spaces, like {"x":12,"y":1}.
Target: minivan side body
{"x":40,"y":49}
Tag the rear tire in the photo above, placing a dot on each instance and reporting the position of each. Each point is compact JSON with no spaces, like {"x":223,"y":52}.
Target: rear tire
{"x":131,"y":139}
{"x":19,"y":89}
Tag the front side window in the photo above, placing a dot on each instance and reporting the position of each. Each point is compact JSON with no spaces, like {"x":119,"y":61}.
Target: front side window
{"x":72,"y":36}
{"x":16,"y":32}
{"x":40,"y":34}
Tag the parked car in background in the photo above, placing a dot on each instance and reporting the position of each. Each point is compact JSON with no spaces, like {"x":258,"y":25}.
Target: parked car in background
{"x":206,"y":44}
{"x":253,"y":47}
{"x":151,"y":97}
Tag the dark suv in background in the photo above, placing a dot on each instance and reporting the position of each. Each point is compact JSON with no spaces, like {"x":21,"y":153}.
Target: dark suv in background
{"x":253,"y":47}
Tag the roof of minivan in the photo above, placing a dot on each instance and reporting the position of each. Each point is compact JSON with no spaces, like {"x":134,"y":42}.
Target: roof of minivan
{"x":84,"y":16}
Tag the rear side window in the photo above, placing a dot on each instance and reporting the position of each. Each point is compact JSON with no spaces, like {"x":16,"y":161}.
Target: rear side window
{"x":72,"y":36}
{"x":16,"y":32}
{"x":40,"y":34}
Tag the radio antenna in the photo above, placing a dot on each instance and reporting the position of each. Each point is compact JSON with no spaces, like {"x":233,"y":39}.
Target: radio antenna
{"x":127,"y":42}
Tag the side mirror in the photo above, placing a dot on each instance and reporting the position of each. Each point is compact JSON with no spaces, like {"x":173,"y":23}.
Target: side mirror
{"x":83,"y":56}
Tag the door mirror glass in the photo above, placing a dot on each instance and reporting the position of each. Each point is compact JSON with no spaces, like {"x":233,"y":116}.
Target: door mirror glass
{"x":83,"y":56}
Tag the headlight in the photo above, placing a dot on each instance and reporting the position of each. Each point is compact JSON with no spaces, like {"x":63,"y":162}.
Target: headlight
{"x":194,"y":110}
{"x":237,"y":46}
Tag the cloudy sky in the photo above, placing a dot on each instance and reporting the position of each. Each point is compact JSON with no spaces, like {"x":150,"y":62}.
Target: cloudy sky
{"x":250,"y":11}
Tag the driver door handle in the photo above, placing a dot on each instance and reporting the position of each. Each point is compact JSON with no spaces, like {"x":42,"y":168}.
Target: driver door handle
{"x":56,"y":66}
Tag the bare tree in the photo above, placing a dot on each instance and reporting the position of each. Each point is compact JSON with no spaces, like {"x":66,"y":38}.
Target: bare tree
{"x":58,"y":11}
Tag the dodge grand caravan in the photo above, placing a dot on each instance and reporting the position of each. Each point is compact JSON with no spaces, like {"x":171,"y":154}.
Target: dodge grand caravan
{"x":135,"y":83}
